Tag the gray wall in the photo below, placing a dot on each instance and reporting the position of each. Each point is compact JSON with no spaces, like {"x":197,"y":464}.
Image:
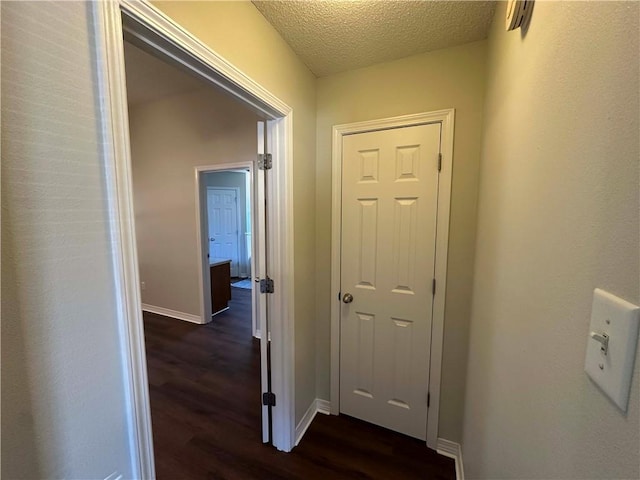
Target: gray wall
{"x":64,"y":411}
{"x":558,"y":216}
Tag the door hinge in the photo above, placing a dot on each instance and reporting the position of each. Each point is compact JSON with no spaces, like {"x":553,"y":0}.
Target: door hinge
{"x":269,"y":399}
{"x":439,"y":161}
{"x":265,"y":161}
{"x":433,"y":287}
{"x":266,"y":285}
{"x":428,"y":399}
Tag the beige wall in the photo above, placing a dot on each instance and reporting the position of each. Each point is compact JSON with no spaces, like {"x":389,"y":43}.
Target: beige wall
{"x":558,"y":216}
{"x":237,"y":31}
{"x":64,"y":391}
{"x":449,"y":78}
{"x":169,"y":137}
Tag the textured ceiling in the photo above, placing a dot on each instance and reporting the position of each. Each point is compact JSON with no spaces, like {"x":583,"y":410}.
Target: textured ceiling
{"x":149,"y":78}
{"x":334,"y":36}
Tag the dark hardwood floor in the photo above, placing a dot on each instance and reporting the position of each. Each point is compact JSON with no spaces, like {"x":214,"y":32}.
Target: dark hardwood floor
{"x":205,"y":388}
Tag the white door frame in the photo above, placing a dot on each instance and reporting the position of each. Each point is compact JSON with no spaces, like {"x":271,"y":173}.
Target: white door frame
{"x":148,"y":27}
{"x":239,"y":236}
{"x":446,"y":119}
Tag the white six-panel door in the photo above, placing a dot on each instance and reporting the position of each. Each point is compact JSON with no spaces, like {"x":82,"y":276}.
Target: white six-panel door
{"x":222,"y":208}
{"x":389,"y":206}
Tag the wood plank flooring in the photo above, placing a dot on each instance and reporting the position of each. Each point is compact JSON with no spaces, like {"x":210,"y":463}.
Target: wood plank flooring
{"x":205,"y":388}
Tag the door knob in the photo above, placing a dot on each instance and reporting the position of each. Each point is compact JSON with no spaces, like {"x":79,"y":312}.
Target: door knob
{"x":212,"y":239}
{"x":347,"y":298}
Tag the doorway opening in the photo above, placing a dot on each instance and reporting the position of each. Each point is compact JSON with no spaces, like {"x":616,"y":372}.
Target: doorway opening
{"x":144,"y":26}
{"x":232,"y":237}
{"x":227,"y":226}
{"x":176,"y":123}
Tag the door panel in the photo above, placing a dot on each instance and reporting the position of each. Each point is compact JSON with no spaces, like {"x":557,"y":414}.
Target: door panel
{"x":389,"y":206}
{"x":368,"y":226}
{"x":260,"y":299}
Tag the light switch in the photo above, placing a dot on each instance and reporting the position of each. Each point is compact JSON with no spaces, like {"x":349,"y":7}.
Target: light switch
{"x":611,"y":345}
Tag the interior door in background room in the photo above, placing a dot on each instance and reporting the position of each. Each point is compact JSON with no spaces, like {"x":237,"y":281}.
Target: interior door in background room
{"x":389,"y":207}
{"x":222,"y":210}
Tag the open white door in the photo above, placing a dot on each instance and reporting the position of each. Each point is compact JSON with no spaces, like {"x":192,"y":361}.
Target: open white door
{"x":260,"y":274}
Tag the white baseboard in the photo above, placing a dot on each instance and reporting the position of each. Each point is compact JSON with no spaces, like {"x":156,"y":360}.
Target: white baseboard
{"x":317,"y":406}
{"x":452,"y":450}
{"x":218,"y":312}
{"x":306,"y":420}
{"x":187,"y":317}
{"x":323,"y":406}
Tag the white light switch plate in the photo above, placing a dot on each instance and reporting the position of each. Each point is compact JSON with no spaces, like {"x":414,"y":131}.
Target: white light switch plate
{"x":612,"y":372}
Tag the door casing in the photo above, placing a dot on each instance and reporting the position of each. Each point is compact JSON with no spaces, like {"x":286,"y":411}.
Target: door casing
{"x":446,"y":119}
{"x":147,"y":27}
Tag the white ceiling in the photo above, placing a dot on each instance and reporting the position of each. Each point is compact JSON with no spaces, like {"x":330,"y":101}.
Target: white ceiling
{"x":149,"y":78}
{"x":332,"y":36}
